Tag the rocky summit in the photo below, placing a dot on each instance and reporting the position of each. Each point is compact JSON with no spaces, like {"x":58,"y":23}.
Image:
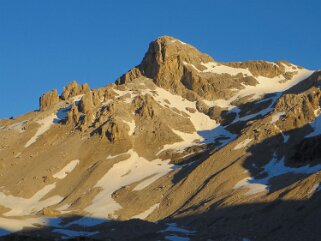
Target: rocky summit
{"x":181,"y":147}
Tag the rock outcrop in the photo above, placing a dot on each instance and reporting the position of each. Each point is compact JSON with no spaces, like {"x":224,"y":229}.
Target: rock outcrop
{"x":73,"y":115}
{"x":48,"y":99}
{"x":183,"y":70}
{"x":74,"y":89}
{"x":180,"y":141}
{"x":165,"y":61}
{"x":262,"y":68}
{"x":114,"y":131}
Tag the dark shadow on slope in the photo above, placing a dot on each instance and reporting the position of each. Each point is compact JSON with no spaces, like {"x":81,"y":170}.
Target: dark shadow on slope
{"x":276,"y":221}
{"x":221,"y":136}
{"x":278,"y":163}
{"x":64,"y":228}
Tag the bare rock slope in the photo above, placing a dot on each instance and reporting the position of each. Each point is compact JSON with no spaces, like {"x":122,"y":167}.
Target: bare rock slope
{"x":181,"y":147}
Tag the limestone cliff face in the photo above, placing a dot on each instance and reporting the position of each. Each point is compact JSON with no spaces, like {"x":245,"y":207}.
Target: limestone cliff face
{"x":164,"y":62}
{"x":48,"y":99}
{"x":74,"y":89}
{"x":184,"y":70}
{"x":114,"y":131}
{"x":227,"y":150}
{"x":262,"y":68}
{"x":73,"y":115}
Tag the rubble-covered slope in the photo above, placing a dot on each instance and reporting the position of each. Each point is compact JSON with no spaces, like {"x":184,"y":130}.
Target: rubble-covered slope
{"x":181,"y":146}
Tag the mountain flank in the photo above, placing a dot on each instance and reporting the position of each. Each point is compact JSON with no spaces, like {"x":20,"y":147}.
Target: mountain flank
{"x":181,"y":147}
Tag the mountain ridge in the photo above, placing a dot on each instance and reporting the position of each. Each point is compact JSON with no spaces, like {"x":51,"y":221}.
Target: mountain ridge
{"x":180,"y":137}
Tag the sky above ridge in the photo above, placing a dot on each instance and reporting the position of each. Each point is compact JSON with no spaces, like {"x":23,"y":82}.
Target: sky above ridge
{"x":46,"y":44}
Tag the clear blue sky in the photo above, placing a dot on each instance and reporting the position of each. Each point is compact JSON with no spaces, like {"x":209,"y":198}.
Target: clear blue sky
{"x":45,"y":44}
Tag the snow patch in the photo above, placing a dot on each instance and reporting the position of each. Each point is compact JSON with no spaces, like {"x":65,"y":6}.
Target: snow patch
{"x":45,"y":125}
{"x":19,"y":126}
{"x":66,"y":170}
{"x":23,"y":206}
{"x":8,"y":226}
{"x":276,"y":117}
{"x":132,"y":126}
{"x":216,"y":68}
{"x":253,"y":188}
{"x":123,"y":173}
{"x":273,"y":168}
{"x":265,"y":86}
{"x":199,"y":120}
{"x":188,"y":139}
{"x":314,"y":188}
{"x":242,"y":144}
{"x":178,"y":41}
{"x":146,"y":213}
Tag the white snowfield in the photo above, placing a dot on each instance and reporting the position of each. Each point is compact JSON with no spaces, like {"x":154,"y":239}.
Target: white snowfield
{"x":253,"y":188}
{"x":51,"y":119}
{"x":315,"y":188}
{"x":147,"y":212}
{"x":19,"y":126}
{"x":206,"y":128}
{"x":273,"y":168}
{"x":276,"y":117}
{"x":66,"y":170}
{"x":132,"y":126}
{"x":11,"y":225}
{"x":200,"y":120}
{"x":178,"y":41}
{"x":276,"y":85}
{"x":123,"y":173}
{"x":242,"y":144}
{"x":265,"y":85}
{"x":45,"y":125}
{"x":24,"y":206}
{"x":188,"y":139}
{"x":217,"y":68}
{"x":136,"y":169}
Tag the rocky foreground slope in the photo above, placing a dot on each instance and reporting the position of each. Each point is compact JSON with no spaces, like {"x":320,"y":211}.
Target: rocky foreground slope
{"x":181,"y":147}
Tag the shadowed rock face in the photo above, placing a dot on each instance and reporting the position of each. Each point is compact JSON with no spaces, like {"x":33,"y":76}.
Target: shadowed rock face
{"x":182,"y":146}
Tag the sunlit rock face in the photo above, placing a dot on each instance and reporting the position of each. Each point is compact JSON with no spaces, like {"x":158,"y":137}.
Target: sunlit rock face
{"x":181,"y":147}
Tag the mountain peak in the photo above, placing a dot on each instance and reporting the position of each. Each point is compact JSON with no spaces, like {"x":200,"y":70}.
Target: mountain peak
{"x":181,"y":139}
{"x":167,"y":61}
{"x":184,"y":70}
